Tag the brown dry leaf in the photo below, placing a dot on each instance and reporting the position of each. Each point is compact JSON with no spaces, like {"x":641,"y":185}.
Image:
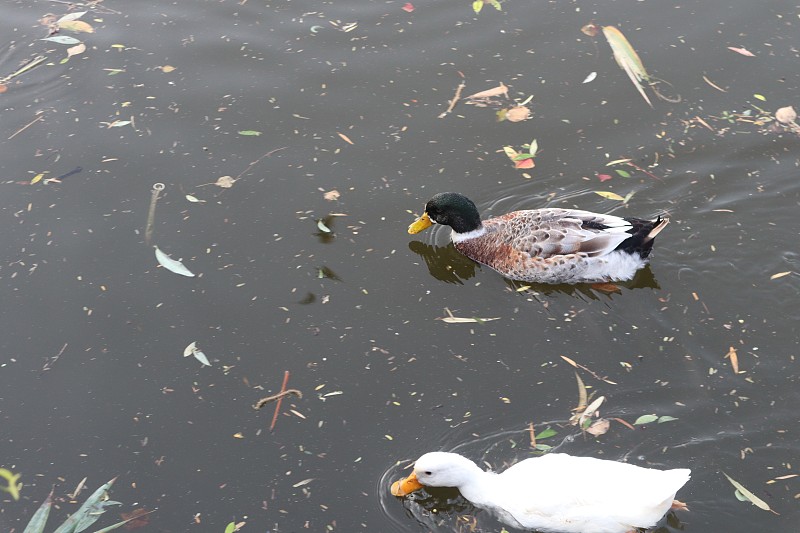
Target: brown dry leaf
{"x":583,"y":396}
{"x":518,"y":114}
{"x":743,"y":51}
{"x":76,"y":25}
{"x":226,"y":182}
{"x":786,"y":115}
{"x":734,"y":359}
{"x":345,"y":138}
{"x":75,"y":50}
{"x":599,"y":427}
{"x":167,"y":69}
{"x":501,"y":89}
{"x":331,"y":195}
{"x":3,"y":88}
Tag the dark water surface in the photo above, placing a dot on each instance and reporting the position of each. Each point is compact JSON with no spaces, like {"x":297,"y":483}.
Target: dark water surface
{"x":352,"y":314}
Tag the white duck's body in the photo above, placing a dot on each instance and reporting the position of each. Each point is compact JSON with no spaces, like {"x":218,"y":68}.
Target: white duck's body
{"x":559,"y":492}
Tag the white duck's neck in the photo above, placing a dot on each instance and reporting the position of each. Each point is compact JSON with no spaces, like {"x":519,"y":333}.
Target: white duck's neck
{"x":467,"y":235}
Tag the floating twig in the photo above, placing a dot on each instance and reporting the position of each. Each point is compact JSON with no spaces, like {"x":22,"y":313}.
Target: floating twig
{"x":275,"y":397}
{"x":26,"y":126}
{"x":455,"y":99}
{"x":279,"y":400}
{"x":151,"y":213}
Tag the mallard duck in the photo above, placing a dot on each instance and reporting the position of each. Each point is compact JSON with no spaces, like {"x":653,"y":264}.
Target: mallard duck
{"x":546,"y":245}
{"x":556,"y":492}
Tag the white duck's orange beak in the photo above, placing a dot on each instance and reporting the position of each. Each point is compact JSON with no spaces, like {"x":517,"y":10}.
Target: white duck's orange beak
{"x":405,"y":486}
{"x":422,"y":223}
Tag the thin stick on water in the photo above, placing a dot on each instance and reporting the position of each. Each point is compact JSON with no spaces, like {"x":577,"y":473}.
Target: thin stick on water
{"x":280,"y":400}
{"x":151,"y":214}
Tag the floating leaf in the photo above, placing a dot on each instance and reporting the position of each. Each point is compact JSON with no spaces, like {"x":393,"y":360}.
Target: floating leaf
{"x":71,"y":16}
{"x":226,"y":182}
{"x":194,"y":199}
{"x":75,"y":50}
{"x":322,"y":227}
{"x":500,"y":90}
{"x":610,"y":195}
{"x":462,"y":320}
{"x":189,"y":349}
{"x":171,"y":264}
{"x":599,"y":427}
{"x":230,"y":528}
{"x":331,"y":195}
{"x":37,"y":178}
{"x":590,"y":78}
{"x":167,"y":69}
{"x":408,"y":7}
{"x":76,"y":26}
{"x":623,"y":173}
{"x":253,"y":133}
{"x":119,"y":123}
{"x":200,"y":356}
{"x":477,"y":5}
{"x":345,"y":138}
{"x":760,"y":97}
{"x":786,"y":115}
{"x":546,"y":433}
{"x":742,"y":51}
{"x":193,"y":350}
{"x":604,"y":177}
{"x":666,"y":418}
{"x":62,"y":39}
{"x":734,"y":359}
{"x":752,"y":498}
{"x":780,"y":274}
{"x":645,"y":419}
{"x":517,"y":114}
{"x":495,"y":4}
{"x":627,"y":59}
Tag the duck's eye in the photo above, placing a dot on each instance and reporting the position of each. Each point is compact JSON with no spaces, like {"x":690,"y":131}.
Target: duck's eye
{"x":428,"y":472}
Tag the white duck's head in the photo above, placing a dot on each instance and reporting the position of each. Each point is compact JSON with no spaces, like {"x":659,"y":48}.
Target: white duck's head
{"x":438,"y":469}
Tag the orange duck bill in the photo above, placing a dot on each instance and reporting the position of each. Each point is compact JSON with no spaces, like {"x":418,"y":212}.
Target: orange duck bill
{"x":406,"y":486}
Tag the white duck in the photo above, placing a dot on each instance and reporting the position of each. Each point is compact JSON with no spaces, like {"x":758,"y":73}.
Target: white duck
{"x":556,"y":492}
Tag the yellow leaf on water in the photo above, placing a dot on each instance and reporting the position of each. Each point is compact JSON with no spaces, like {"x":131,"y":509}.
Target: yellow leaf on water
{"x":345,"y":138}
{"x":37,"y":178}
{"x":627,"y":59}
{"x":76,"y":25}
{"x":167,"y":68}
{"x":780,"y":274}
{"x":610,"y":195}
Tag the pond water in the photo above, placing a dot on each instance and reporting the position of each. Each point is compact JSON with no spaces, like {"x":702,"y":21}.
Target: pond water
{"x":346,"y":97}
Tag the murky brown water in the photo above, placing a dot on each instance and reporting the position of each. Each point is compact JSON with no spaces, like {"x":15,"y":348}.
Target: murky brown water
{"x":352,"y":314}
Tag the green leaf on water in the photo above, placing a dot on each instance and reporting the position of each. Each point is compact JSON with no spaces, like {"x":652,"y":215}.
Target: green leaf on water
{"x":39,"y":518}
{"x":495,"y":4}
{"x":610,"y":195}
{"x":322,"y":227}
{"x":231,"y":527}
{"x":645,"y":419}
{"x":477,"y":5}
{"x":666,"y":418}
{"x":250,"y":133}
{"x":760,"y":97}
{"x":749,"y":496}
{"x":627,"y":59}
{"x":546,"y":433}
{"x":623,"y":173}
